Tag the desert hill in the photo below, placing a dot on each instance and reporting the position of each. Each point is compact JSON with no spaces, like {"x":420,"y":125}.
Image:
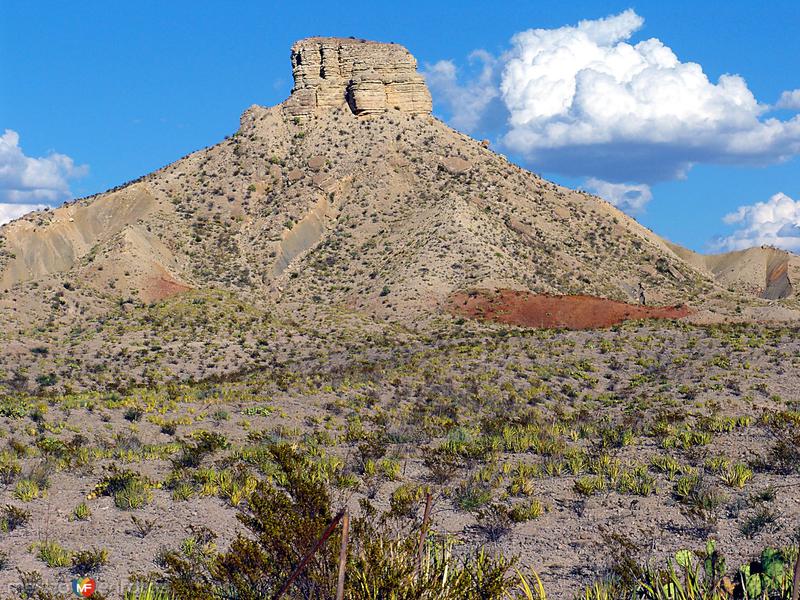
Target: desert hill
{"x":765,"y":272}
{"x":349,"y":305}
{"x":350,"y":197}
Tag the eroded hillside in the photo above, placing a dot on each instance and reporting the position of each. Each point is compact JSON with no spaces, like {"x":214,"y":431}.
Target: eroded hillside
{"x":349,"y":198}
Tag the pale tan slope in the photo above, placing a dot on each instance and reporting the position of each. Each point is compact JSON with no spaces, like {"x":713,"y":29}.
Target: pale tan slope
{"x":303,"y":236}
{"x":765,"y":272}
{"x":135,"y":264}
{"x":103,"y":244}
{"x":69,"y":233}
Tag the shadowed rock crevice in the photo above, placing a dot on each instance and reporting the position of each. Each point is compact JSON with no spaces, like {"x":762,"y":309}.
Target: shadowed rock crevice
{"x":303,"y":236}
{"x":778,"y":285}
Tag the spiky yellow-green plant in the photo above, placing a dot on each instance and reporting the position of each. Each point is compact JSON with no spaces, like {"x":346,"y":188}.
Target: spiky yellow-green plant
{"x":148,"y":593}
{"x":528,"y":591}
{"x":737,"y":476}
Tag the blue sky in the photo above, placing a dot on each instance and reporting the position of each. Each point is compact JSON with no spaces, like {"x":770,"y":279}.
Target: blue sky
{"x":98,"y":93}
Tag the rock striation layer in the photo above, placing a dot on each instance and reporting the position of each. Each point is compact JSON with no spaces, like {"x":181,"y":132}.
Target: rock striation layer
{"x":369,"y":77}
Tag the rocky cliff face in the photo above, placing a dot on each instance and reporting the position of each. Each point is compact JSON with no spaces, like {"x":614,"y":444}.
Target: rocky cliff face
{"x":369,"y":77}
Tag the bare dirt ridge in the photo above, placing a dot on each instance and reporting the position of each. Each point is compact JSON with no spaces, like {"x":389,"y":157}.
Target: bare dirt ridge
{"x":544,"y":311}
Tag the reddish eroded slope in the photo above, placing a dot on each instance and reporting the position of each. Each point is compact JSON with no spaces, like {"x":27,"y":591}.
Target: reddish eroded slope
{"x":162,"y":287}
{"x":545,"y":311}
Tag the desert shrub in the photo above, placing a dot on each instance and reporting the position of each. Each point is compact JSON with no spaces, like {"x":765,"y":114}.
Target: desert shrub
{"x":35,"y":482}
{"x":53,"y":554}
{"x":494,"y":521}
{"x":134,"y":494}
{"x":47,"y":379}
{"x":385,"y":567}
{"x":82,"y":512}
{"x":700,"y":502}
{"x":667,"y":465}
{"x":220,"y":415}
{"x":285,"y":520}
{"x":151,"y":592}
{"x":470,"y":445}
{"x":785,"y":453}
{"x":88,"y":561}
{"x":198,"y":446}
{"x":236,"y":485}
{"x":702,"y":575}
{"x":129,"y":489}
{"x":589,"y":485}
{"x":637,"y":481}
{"x":133,"y":414}
{"x":443,"y":466}
{"x":405,"y":500}
{"x":142,"y":527}
{"x":182,"y":490}
{"x":9,"y":467}
{"x":472,"y":495}
{"x":14,"y":408}
{"x":527,"y":511}
{"x":762,"y":519}
{"x":169,"y":427}
{"x":520,"y":485}
{"x":26,"y":490}
{"x":736,"y":476}
{"x":686,"y":439}
{"x":12,"y":518}
{"x":32,"y":586}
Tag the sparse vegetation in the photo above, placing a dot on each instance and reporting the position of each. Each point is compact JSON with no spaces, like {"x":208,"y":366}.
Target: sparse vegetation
{"x":214,"y":382}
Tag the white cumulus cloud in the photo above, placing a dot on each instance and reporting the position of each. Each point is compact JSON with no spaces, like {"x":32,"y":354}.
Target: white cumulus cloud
{"x":775,"y":222}
{"x":789,"y":100}
{"x":585,"y":100}
{"x":466,"y":103}
{"x":25,"y":180}
{"x":629,"y":197}
{"x":9,"y":212}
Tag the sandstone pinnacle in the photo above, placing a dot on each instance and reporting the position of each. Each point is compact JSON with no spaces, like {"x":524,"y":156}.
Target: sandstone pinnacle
{"x":369,"y":77}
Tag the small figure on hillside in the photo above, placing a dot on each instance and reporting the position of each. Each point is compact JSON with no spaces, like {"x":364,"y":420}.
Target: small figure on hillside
{"x":642,"y":297}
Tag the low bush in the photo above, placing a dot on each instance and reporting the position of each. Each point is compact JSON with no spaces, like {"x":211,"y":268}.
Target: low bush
{"x":285,"y":521}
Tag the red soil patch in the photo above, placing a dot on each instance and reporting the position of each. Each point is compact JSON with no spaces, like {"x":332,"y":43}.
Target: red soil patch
{"x":160,"y":288}
{"x":554,"y":312}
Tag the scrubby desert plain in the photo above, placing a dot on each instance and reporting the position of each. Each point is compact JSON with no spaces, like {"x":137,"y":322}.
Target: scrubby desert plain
{"x":349,"y":306}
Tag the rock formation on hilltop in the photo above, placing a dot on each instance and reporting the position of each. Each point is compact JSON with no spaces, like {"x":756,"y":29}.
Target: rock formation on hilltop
{"x":368,"y":76}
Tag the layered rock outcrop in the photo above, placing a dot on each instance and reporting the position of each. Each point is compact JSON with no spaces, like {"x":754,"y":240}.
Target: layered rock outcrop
{"x":369,"y":77}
